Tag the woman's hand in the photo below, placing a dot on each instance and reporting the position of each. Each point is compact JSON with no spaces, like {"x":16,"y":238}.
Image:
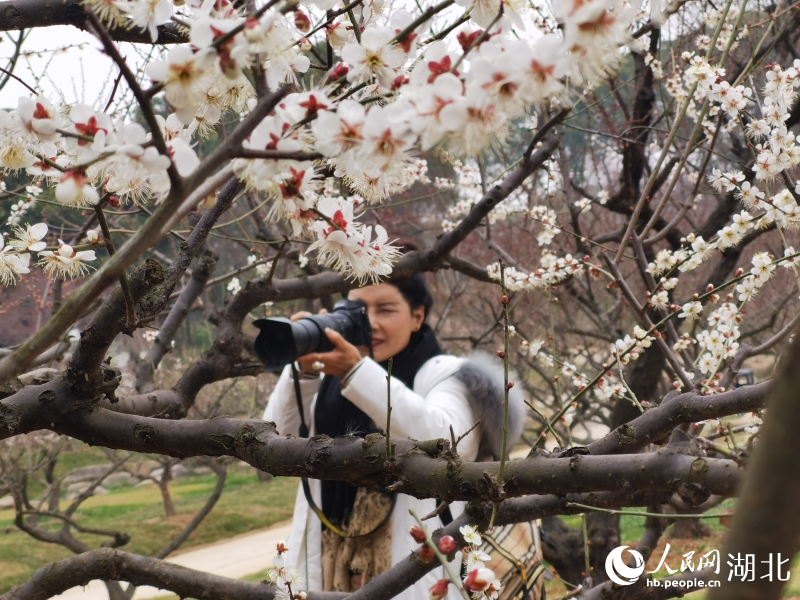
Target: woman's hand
{"x":337,"y":362}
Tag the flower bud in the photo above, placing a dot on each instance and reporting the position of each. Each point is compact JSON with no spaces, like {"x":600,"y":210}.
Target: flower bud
{"x":418,"y":534}
{"x":301,"y":21}
{"x":510,"y":384}
{"x":501,"y":354}
{"x":504,"y":299}
{"x":478,"y":580}
{"x":92,"y":236}
{"x":447,"y":544}
{"x":339,"y":71}
{"x":439,"y":589}
{"x":113,"y":201}
{"x":426,"y":554}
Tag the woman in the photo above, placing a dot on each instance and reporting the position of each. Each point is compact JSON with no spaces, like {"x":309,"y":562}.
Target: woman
{"x":430,"y":392}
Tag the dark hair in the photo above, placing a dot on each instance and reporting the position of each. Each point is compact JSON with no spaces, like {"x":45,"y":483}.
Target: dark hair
{"x":415,"y":291}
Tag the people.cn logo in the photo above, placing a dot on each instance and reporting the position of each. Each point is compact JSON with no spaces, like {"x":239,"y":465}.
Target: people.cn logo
{"x":619,"y":572}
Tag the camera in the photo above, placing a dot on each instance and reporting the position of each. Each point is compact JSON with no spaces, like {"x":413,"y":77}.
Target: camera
{"x":281,"y":341}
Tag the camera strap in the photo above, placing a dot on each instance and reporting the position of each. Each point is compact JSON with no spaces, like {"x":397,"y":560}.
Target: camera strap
{"x":304,"y":482}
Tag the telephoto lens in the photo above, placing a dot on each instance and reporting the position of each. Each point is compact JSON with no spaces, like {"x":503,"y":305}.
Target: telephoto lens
{"x":281,"y":341}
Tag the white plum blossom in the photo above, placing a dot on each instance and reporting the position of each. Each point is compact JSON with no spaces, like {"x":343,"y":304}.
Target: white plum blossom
{"x":185,"y":77}
{"x":75,"y":189}
{"x":691,"y":311}
{"x":30,"y":238}
{"x":374,"y":57}
{"x":147,"y":14}
{"x":12,"y":265}
{"x":65,"y":262}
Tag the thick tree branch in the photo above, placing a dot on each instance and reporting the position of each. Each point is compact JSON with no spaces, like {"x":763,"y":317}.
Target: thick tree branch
{"x":105,"y":563}
{"x":681,"y":409}
{"x":422,"y":469}
{"x":166,"y":334}
{"x":28,"y":14}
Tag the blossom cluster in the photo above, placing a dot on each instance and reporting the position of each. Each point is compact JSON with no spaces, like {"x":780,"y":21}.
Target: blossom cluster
{"x":554,"y":269}
{"x":608,"y":386}
{"x":286,"y":578}
{"x":478,"y":580}
{"x":392,"y":95}
{"x":61,"y":261}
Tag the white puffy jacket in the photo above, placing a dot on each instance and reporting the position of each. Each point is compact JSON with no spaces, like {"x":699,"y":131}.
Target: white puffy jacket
{"x":437,"y":401}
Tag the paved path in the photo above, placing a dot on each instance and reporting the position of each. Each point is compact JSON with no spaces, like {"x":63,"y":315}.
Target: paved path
{"x":235,"y":557}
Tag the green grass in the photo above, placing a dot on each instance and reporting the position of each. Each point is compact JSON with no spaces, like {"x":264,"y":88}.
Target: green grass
{"x":246,"y":505}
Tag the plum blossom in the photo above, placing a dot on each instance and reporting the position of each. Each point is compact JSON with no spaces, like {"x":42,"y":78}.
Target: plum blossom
{"x":183,"y":157}
{"x":340,"y":131}
{"x":30,"y":238}
{"x":12,"y":265}
{"x":75,"y":189}
{"x":349,"y":247}
{"x":185,"y":76}
{"x":479,"y":579}
{"x":147,"y":14}
{"x":65,"y":262}
{"x":374,"y":57}
{"x":691,"y":311}
{"x":470,"y":534}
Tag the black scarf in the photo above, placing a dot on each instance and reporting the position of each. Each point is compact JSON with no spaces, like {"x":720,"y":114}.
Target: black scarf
{"x":336,"y":415}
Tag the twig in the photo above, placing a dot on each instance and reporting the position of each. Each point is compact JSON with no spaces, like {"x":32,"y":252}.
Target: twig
{"x":587,"y":562}
{"x":633,"y":513}
{"x":10,"y":74}
{"x":276,"y":154}
{"x":425,"y":16}
{"x":114,"y":90}
{"x":389,"y":408}
{"x":356,"y":26}
{"x":275,"y":261}
{"x":436,"y":511}
{"x":71,"y":523}
{"x":463,"y":435}
{"x":645,"y":195}
{"x":480,"y":39}
{"x":546,"y":423}
{"x":442,"y":558}
{"x":506,"y":386}
{"x":143,"y":101}
{"x":130,"y":305}
{"x":544,"y":129}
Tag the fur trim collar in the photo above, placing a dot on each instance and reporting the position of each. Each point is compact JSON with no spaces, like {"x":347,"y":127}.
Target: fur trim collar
{"x":482,"y":375}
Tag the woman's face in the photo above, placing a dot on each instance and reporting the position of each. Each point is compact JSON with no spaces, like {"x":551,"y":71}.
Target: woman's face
{"x":391,"y":318}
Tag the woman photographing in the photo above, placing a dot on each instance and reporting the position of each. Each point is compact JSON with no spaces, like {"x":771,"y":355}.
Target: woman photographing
{"x":363,"y":532}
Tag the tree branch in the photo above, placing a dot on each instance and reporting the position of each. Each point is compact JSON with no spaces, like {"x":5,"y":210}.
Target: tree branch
{"x":28,"y":14}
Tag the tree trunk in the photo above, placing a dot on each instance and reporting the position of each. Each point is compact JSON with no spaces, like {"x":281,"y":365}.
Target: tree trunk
{"x":54,"y":489}
{"x":163,"y":485}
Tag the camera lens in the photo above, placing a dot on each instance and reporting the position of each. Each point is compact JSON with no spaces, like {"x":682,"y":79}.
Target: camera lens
{"x":281,"y":341}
